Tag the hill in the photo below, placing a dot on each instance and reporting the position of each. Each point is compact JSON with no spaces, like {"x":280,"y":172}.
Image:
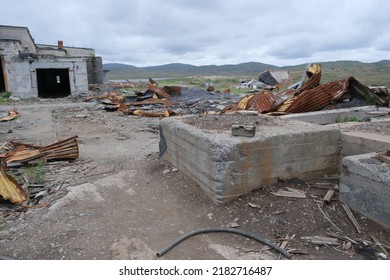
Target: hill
{"x":376,"y":73}
{"x":175,"y":70}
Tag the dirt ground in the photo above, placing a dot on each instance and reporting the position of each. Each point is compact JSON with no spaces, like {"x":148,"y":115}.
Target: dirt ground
{"x":119,"y":201}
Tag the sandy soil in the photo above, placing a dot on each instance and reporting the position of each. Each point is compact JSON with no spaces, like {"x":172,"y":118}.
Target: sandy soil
{"x":119,"y":201}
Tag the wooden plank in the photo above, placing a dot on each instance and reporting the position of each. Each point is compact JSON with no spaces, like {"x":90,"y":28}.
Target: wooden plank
{"x":351,"y":217}
{"x":321,"y":240}
{"x":380,"y":245}
{"x":328,"y":196}
{"x":383,"y":158}
{"x":290,"y":192}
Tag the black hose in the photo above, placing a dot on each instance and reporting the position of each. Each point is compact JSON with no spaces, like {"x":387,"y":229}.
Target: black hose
{"x":229,"y":230}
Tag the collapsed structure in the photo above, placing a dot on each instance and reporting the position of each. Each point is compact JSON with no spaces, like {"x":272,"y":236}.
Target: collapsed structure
{"x":30,"y":70}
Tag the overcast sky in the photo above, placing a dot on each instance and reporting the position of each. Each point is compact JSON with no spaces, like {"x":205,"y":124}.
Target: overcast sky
{"x":203,"y":32}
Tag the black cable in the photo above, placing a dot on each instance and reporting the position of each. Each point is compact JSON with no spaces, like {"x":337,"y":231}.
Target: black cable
{"x":228,"y":230}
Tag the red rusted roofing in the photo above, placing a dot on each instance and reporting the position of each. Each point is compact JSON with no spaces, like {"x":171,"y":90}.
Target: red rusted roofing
{"x":320,"y":96}
{"x":310,"y":97}
{"x":262,"y":101}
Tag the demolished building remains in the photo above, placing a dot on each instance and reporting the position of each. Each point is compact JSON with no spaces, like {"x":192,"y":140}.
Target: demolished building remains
{"x":30,"y":70}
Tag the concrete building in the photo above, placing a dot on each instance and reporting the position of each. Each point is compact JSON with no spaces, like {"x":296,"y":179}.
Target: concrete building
{"x":29,"y":70}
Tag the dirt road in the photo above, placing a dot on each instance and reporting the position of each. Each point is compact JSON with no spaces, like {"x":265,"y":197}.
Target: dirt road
{"x":119,"y":201}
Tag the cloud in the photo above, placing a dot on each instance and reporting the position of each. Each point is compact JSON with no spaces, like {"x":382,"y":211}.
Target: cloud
{"x":151,"y":32}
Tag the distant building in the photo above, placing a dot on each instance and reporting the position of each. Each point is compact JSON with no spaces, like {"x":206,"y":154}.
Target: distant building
{"x":28,"y":69}
{"x":275,"y":78}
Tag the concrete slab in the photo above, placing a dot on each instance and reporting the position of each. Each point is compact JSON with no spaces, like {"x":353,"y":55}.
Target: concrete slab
{"x":226,"y":167}
{"x":365,"y":186}
{"x":355,"y":143}
{"x":338,"y":115}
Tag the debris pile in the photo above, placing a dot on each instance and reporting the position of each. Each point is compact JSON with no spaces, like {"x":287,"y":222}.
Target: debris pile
{"x":164,"y":102}
{"x":15,"y":154}
{"x":310,"y":96}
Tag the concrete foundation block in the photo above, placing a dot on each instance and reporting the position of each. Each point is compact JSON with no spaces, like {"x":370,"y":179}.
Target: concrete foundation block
{"x":355,"y":143}
{"x":226,"y":167}
{"x":365,"y":186}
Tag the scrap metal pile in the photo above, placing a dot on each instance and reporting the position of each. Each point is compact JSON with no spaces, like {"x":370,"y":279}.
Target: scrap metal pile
{"x":310,"y":96}
{"x":165,"y":102}
{"x":298,"y":98}
{"x":19,"y":154}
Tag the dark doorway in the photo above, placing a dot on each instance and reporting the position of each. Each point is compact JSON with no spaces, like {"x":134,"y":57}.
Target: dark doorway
{"x":2,"y":76}
{"x":53,"y":83}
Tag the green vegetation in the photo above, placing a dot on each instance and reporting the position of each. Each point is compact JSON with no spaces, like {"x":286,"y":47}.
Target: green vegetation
{"x":4,"y":97}
{"x":346,"y":119}
{"x":35,"y":173}
{"x":220,"y":83}
{"x":369,"y":74}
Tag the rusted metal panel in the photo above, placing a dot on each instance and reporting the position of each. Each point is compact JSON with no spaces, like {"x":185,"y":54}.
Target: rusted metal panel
{"x":262,"y":101}
{"x":9,"y":188}
{"x":159,"y":92}
{"x":67,"y":149}
{"x":13,"y":114}
{"x":175,"y":90}
{"x":314,"y":74}
{"x":310,"y":100}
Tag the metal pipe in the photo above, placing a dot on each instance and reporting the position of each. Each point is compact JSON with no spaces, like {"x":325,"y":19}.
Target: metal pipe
{"x":228,"y":230}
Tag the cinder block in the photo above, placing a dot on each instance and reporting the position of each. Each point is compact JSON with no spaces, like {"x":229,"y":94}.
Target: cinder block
{"x":226,"y":167}
{"x":365,"y":186}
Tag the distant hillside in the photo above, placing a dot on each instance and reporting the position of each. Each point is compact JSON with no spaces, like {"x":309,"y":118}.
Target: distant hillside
{"x":377,"y":73}
{"x":175,"y":70}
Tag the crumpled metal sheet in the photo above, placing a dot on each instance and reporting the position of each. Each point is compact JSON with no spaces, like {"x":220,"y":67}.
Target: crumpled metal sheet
{"x":66,"y":149}
{"x":13,"y":114}
{"x":9,"y":188}
{"x":262,"y":101}
{"x":158,"y":91}
{"x":323,"y":95}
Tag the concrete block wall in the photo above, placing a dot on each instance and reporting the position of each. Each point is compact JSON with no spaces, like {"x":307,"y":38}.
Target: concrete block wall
{"x":355,"y":143}
{"x":365,"y":186}
{"x":226,"y":167}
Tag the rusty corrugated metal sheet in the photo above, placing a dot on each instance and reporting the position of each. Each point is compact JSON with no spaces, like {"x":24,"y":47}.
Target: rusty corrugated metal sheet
{"x":9,"y":188}
{"x":66,"y":149}
{"x":323,"y":95}
{"x":310,"y":100}
{"x":160,"y":92}
{"x":314,"y":74}
{"x":243,"y":103}
{"x":285,"y":99}
{"x":262,"y":101}
{"x":13,"y":114}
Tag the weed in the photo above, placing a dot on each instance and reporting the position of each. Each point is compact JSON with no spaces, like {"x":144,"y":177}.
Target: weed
{"x":4,"y":97}
{"x":36,"y":173}
{"x":346,"y":119}
{"x":5,"y":94}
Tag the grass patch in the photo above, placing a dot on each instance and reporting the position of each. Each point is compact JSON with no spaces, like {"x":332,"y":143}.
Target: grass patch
{"x":4,"y":97}
{"x":346,"y":119}
{"x":36,"y":173}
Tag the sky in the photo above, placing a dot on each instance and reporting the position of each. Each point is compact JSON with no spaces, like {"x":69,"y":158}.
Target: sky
{"x":205,"y":32}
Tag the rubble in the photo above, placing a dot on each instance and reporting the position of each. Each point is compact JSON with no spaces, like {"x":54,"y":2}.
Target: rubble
{"x":19,"y":154}
{"x":165,"y":102}
{"x":303,"y":96}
